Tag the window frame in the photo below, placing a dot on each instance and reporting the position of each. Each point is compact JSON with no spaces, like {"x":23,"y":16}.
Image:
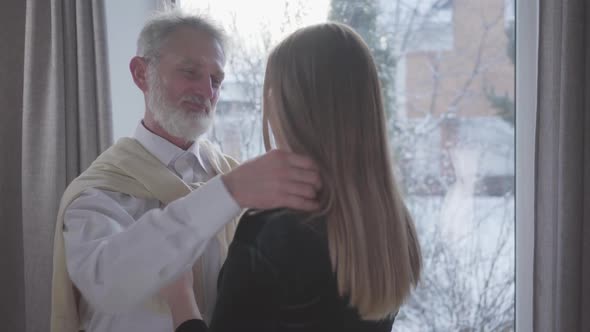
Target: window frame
{"x":527,"y":46}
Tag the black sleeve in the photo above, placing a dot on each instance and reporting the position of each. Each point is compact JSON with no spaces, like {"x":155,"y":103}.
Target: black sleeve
{"x":192,"y":325}
{"x":247,"y":291}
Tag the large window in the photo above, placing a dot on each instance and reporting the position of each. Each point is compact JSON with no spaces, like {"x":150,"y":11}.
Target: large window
{"x":447,"y":71}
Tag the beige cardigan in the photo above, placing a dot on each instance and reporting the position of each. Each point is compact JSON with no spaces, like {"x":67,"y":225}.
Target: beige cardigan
{"x":128,"y":168}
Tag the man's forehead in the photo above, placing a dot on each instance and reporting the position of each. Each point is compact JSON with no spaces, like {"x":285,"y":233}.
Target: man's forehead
{"x":197,"y":61}
{"x":195,"y":45}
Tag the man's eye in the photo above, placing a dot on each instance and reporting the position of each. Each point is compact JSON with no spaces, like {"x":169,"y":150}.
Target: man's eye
{"x":190,"y":73}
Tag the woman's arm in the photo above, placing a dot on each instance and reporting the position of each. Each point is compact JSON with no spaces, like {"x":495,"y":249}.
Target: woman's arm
{"x":247,"y":292}
{"x":247,"y":298}
{"x":192,"y":325}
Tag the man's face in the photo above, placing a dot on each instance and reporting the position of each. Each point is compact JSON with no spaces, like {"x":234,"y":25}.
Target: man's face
{"x":183,"y":85}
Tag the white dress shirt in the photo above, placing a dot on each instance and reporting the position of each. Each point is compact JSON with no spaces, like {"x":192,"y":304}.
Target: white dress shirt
{"x":120,"y":250}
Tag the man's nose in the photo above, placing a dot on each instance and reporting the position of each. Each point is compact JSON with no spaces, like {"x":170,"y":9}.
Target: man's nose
{"x":204,"y":87}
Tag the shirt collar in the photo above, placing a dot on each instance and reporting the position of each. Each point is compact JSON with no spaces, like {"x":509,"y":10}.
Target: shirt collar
{"x":162,"y":149}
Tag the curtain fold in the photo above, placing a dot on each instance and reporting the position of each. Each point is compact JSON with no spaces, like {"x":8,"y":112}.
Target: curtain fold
{"x":12,"y":35}
{"x":562,"y":184}
{"x":66,"y":123}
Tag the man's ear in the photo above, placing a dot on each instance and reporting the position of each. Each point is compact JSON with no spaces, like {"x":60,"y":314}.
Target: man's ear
{"x":138,"y":67}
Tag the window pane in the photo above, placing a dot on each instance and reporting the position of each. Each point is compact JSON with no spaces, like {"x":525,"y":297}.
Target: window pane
{"x":447,"y":73}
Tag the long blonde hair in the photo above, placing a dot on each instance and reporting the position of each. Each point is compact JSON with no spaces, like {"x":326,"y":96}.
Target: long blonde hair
{"x":327,"y":103}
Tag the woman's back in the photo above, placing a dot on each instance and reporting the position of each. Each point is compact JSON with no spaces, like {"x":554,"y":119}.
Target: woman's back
{"x":278,"y":277}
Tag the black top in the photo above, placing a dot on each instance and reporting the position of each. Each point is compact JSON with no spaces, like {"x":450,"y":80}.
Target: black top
{"x":278,"y":277}
{"x":192,"y":325}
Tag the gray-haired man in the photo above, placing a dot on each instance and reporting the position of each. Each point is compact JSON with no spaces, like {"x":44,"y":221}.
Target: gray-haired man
{"x":129,"y":227}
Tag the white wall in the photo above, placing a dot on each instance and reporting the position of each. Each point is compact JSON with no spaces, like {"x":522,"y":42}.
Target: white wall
{"x":124,"y":22}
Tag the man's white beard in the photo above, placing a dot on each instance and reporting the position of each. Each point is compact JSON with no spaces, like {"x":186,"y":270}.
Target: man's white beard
{"x":174,"y":120}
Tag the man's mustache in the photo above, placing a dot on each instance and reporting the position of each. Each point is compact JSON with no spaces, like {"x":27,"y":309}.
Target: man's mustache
{"x":204,"y":102}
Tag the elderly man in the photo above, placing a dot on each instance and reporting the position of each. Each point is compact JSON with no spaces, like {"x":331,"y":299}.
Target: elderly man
{"x":139,"y":217}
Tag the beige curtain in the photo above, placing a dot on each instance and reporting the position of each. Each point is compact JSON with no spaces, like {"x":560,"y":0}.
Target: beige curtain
{"x":56,"y":121}
{"x":561,"y":275}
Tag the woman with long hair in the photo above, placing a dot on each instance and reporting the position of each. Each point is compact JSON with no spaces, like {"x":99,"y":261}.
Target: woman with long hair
{"x":351,"y":265}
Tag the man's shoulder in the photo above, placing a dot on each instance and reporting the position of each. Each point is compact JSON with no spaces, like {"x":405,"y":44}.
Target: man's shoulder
{"x":219,"y":160}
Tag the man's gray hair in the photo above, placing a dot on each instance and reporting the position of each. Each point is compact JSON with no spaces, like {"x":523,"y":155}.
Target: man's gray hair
{"x":159,"y":26}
